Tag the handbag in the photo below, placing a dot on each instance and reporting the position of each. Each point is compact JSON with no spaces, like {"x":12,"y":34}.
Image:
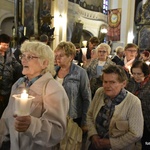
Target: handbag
{"x":73,"y":136}
{"x":6,"y":144}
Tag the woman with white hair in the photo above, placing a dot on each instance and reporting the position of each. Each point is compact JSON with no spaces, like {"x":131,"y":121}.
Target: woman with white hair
{"x":96,"y":65}
{"x":45,"y":125}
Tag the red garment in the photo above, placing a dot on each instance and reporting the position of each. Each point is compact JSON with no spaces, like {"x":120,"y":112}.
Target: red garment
{"x":142,"y":84}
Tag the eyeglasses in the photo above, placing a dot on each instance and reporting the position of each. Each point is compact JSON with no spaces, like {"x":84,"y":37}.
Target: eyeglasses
{"x":59,"y":56}
{"x":137,"y":74}
{"x":131,"y":51}
{"x":102,"y":51}
{"x":27,"y":57}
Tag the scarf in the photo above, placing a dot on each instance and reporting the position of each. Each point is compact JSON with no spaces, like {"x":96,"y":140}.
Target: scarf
{"x":28,"y":82}
{"x":128,"y":64}
{"x":141,"y":85}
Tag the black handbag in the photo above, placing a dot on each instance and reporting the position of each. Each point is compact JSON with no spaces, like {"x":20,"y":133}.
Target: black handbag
{"x":5,"y":146}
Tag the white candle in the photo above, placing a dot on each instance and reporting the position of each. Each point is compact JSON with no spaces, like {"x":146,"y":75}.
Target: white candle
{"x":84,"y":43}
{"x":144,"y":1}
{"x":24,"y":31}
{"x":23,"y":103}
{"x":147,"y":62}
{"x":23,"y":106}
{"x":13,"y":32}
{"x":84,"y":51}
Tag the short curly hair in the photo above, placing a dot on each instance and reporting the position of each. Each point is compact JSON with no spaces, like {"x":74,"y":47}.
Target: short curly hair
{"x":43,"y":51}
{"x":68,"y":47}
{"x":105,"y":45}
{"x":117,"y":69}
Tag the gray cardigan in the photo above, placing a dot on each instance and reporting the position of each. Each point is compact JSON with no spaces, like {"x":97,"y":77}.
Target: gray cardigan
{"x":92,"y":68}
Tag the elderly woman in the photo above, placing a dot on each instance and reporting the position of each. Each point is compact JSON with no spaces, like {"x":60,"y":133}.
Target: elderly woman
{"x":114,"y":119}
{"x":75,"y":81}
{"x":96,"y":66}
{"x":139,"y":85}
{"x":45,"y":126}
{"x":102,"y":61}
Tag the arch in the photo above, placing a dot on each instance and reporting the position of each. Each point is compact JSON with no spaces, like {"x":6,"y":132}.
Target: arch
{"x":4,"y":16}
{"x":6,"y":26}
{"x":86,"y":35}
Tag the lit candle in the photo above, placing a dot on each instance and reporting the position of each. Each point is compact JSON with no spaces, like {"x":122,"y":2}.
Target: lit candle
{"x":24,"y":96}
{"x":24,"y":31}
{"x":147,"y":62}
{"x":84,"y":43}
{"x":23,"y":103}
{"x":84,"y":51}
{"x":13,"y":32}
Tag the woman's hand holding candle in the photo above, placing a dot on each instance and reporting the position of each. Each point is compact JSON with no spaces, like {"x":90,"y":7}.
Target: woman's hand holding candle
{"x":22,"y":123}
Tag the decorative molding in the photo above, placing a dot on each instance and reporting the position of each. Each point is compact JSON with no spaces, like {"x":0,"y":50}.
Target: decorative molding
{"x":11,"y":1}
{"x":91,"y":15}
{"x":96,"y":7}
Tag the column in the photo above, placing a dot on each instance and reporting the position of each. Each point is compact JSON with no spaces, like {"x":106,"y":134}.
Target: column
{"x":127,"y":22}
{"x":16,"y":16}
{"x":36,"y":10}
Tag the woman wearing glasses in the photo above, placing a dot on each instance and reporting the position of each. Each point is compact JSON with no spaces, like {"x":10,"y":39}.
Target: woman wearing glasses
{"x":75,"y":81}
{"x":139,"y":85}
{"x":96,"y":66}
{"x":131,"y":52}
{"x":46,"y":124}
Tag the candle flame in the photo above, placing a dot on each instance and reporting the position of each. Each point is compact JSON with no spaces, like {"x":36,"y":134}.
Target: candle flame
{"x":24,"y":95}
{"x":24,"y":91}
{"x":84,"y":43}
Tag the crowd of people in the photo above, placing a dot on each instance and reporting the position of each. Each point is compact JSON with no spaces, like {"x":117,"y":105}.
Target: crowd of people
{"x":107,"y":97}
